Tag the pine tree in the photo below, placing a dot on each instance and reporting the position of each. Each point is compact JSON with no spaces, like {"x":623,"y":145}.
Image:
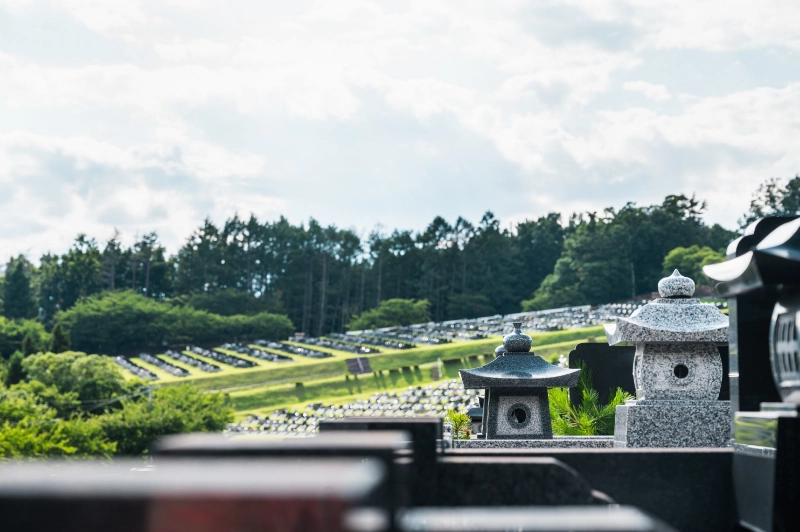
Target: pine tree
{"x":17,"y":296}
{"x":15,"y":371}
{"x":60,"y":341}
{"x":29,"y":345}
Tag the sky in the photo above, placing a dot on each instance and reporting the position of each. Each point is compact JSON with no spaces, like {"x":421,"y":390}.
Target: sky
{"x":151,"y":116}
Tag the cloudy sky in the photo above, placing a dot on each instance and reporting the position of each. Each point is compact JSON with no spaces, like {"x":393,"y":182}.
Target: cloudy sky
{"x":148,"y":116}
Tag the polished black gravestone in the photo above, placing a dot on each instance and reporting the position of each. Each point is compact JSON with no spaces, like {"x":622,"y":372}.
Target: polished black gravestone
{"x":504,"y":481}
{"x":420,"y":463}
{"x":609,"y":365}
{"x":761,"y":280}
{"x":515,"y":383}
{"x":688,"y":488}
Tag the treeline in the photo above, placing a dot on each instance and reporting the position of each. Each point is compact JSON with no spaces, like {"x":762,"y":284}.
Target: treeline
{"x":321,"y":278}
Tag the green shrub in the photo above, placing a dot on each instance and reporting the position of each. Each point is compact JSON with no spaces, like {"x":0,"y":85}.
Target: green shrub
{"x":588,"y":419}
{"x":114,"y":321}
{"x":173,"y":410}
{"x":13,"y":332}
{"x":461,"y":423}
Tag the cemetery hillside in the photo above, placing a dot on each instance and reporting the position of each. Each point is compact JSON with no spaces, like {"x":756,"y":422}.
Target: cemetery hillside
{"x":267,"y":326}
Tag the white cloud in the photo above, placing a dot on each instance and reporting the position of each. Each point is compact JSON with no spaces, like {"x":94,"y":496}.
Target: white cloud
{"x":152,"y":115}
{"x":657,"y":93}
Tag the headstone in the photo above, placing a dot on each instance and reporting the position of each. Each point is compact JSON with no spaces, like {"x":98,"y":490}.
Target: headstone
{"x":425,"y":433}
{"x":761,"y":280}
{"x":610,"y":367}
{"x":358,"y":366}
{"x":689,"y":489}
{"x":677,"y":371}
{"x":516,"y":405}
{"x":508,"y":481}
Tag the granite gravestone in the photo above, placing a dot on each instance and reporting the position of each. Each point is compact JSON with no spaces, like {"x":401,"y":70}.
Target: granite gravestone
{"x":761,"y":280}
{"x":515,"y":383}
{"x":677,"y":371}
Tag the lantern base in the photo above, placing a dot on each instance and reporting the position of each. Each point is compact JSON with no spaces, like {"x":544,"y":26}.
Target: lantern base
{"x":691,"y":423}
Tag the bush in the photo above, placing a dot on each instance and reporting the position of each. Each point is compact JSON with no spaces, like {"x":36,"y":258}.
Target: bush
{"x":29,"y":427}
{"x":115,"y":321}
{"x":91,"y":378}
{"x":174,"y":410}
{"x":392,"y":312}
{"x":13,"y":332}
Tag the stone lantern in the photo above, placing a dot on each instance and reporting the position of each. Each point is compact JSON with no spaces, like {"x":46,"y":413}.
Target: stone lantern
{"x":677,"y":371}
{"x":515,"y":383}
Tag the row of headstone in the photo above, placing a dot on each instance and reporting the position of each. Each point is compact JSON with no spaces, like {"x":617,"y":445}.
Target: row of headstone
{"x":137,"y":370}
{"x":413,"y":402}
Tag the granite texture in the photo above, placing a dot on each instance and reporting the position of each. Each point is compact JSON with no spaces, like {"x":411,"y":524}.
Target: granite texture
{"x":557,"y":442}
{"x":517,"y":341}
{"x":676,"y":285}
{"x":690,"y":489}
{"x":677,"y":372}
{"x":671,"y":321}
{"x":506,"y":481}
{"x":754,"y":450}
{"x":519,"y":370}
{"x":500,"y":421}
{"x":672,"y":424}
{"x":509,"y":425}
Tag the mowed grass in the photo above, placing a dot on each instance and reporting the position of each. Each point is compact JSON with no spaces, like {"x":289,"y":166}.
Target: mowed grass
{"x":345,"y":387}
{"x":303,"y":369}
{"x":264,"y":400}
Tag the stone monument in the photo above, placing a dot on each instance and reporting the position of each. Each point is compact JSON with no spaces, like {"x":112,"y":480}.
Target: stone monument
{"x":761,"y":280}
{"x":677,"y":371}
{"x":515,"y":383}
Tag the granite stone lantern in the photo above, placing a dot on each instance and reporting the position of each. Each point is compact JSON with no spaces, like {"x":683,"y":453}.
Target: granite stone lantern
{"x":515,"y":383}
{"x":677,"y":371}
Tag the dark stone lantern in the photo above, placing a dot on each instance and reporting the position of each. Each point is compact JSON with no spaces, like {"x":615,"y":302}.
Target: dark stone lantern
{"x":515,"y":383}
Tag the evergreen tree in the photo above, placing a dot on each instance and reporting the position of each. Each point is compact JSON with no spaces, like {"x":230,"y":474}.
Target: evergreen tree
{"x":60,"y":341}
{"x":15,"y":371}
{"x":29,"y":346}
{"x":17,"y":297}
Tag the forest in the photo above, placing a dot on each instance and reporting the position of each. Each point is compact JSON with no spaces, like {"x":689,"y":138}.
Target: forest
{"x":322,"y":278}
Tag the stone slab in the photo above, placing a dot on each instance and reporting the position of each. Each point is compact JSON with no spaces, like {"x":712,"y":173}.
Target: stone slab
{"x":689,"y":488}
{"x":504,"y":481}
{"x":558,"y":442}
{"x":673,"y":424}
{"x":565,"y":519}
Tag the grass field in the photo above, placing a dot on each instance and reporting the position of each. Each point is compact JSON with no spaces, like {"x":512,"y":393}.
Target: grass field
{"x":344,"y":387}
{"x":270,"y":385}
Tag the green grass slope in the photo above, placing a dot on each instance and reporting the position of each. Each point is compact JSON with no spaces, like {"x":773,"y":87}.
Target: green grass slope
{"x":303,"y":369}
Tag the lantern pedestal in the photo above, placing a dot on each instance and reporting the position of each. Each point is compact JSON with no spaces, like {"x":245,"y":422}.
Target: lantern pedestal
{"x":673,"y":424}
